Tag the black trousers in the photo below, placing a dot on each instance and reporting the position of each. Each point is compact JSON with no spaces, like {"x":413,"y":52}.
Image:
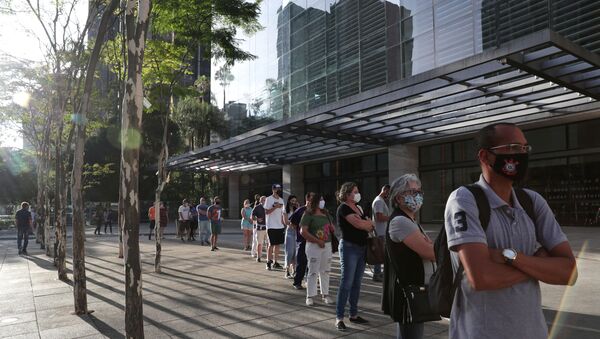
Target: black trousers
{"x":22,"y":237}
{"x":301,"y":263}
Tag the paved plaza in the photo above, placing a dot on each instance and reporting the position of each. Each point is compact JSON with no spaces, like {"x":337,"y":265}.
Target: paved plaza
{"x":204,"y":294}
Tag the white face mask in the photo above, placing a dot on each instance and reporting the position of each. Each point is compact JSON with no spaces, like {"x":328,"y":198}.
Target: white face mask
{"x":322,"y":204}
{"x":356,"y":197}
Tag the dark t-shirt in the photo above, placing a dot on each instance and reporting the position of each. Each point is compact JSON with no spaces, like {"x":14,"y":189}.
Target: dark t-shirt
{"x":202,"y":207}
{"x":295,"y":219}
{"x":349,"y":232}
{"x":23,"y":217}
{"x":259,"y":213}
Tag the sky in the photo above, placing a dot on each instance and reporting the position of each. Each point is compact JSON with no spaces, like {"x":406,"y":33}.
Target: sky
{"x":19,"y":34}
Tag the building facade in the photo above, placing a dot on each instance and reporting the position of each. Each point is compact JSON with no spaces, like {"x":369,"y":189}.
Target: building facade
{"x":366,"y":90}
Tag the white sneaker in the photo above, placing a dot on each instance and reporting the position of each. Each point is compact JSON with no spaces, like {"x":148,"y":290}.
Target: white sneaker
{"x":328,"y":301}
{"x":309,"y":302}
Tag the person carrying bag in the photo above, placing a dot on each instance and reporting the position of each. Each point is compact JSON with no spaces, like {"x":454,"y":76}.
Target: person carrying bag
{"x":409,"y":258}
{"x":375,"y":249}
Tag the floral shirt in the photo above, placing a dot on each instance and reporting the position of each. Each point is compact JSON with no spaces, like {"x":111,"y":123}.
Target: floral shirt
{"x":318,"y":225}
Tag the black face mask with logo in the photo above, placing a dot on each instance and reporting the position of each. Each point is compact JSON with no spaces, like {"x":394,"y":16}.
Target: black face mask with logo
{"x":511,"y":166}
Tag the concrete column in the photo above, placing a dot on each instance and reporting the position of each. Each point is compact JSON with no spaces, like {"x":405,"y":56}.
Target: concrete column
{"x":293,"y":181}
{"x":402,"y":159}
{"x":233,"y":203}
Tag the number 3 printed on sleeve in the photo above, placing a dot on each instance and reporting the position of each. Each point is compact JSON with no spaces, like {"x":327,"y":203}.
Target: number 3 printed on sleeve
{"x":460,"y":221}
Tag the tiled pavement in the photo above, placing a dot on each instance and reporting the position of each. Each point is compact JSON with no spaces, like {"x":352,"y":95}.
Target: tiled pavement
{"x":203,"y":294}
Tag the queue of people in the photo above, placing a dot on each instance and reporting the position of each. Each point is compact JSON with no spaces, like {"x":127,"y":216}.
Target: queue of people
{"x":498,"y":260}
{"x":307,"y":233}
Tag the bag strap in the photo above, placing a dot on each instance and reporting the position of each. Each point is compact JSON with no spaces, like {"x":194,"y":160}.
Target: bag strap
{"x":483,"y":204}
{"x":526,"y":202}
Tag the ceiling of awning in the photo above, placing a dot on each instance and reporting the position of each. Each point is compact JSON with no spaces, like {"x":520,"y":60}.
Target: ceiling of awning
{"x":537,"y":77}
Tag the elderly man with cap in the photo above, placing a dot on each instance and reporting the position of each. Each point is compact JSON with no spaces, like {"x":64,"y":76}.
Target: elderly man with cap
{"x":276,"y":220}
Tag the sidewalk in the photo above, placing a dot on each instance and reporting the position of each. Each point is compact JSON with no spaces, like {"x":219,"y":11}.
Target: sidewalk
{"x":203,"y":294}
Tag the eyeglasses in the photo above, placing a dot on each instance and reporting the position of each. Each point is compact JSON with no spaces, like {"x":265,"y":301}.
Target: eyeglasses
{"x":512,"y":148}
{"x":413,"y":192}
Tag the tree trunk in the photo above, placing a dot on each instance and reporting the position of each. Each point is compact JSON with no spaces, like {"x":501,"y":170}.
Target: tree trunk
{"x":60,"y":229}
{"x":162,"y":181}
{"x":42,"y":191}
{"x":120,"y":214}
{"x":47,"y":229}
{"x":131,"y":123}
{"x":79,"y":278}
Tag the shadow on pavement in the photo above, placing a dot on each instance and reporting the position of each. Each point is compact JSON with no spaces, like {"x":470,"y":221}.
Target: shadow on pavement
{"x":562,"y":324}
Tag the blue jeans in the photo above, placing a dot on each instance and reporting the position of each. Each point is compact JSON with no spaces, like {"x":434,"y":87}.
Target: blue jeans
{"x":204,"y":230}
{"x":290,"y":246}
{"x":352,"y":265}
{"x":301,"y":263}
{"x":22,"y":237}
{"x":409,"y":331}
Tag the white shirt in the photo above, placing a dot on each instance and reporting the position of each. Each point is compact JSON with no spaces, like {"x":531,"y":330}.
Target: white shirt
{"x":274,"y":219}
{"x":379,"y":206}
{"x":185,"y":212}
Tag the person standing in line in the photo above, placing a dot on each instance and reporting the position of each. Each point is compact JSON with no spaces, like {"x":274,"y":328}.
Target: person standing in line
{"x":203,"y":222}
{"x":246,"y":224}
{"x":317,"y":228}
{"x":499,"y":294}
{"x":301,"y":261}
{"x":214,"y":214}
{"x":193,"y":222}
{"x":290,"y":238}
{"x":254,"y":242}
{"x":184,"y":219}
{"x":259,"y":218}
{"x":24,"y":224}
{"x":164,"y":219}
{"x":98,"y":219}
{"x":108,"y":219}
{"x":152,"y":217}
{"x":409,"y":256}
{"x":355,"y":228}
{"x":276,"y":221}
{"x":381,"y":215}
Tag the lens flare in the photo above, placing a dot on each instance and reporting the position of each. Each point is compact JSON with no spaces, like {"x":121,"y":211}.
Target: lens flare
{"x":561,"y":320}
{"x":132,"y":140}
{"x":22,"y":99}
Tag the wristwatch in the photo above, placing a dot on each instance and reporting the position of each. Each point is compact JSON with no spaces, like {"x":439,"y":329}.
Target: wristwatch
{"x":509,"y":255}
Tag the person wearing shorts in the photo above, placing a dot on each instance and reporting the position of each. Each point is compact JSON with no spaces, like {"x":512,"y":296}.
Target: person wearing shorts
{"x":184,"y":219}
{"x":275,"y":221}
{"x":260,"y":233}
{"x":214,"y":214}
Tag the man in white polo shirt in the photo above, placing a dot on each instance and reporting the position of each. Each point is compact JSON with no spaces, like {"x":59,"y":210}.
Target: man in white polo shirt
{"x":276,"y":221}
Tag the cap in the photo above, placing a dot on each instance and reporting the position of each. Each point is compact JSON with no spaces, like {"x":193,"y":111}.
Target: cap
{"x":276,"y":186}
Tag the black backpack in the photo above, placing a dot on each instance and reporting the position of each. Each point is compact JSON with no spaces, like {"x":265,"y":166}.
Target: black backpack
{"x":443,"y":283}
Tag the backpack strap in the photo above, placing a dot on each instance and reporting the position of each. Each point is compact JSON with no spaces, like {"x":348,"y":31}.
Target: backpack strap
{"x":483,"y":204}
{"x":526,"y":202}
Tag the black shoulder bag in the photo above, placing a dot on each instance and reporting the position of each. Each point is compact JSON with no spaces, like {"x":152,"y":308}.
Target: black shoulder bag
{"x":416,"y":307}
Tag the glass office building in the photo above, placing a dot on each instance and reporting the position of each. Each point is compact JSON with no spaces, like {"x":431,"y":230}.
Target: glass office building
{"x":367,"y":89}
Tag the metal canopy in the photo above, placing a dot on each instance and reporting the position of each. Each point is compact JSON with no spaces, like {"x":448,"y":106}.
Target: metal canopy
{"x":539,"y":76}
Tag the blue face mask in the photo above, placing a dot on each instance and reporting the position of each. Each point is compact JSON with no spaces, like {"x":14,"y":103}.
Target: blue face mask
{"x":413,"y":202}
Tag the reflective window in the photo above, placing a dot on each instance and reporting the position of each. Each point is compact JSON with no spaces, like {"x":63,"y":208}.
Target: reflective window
{"x":547,"y":139}
{"x":435,"y":154}
{"x":584,"y":134}
{"x":313,"y":52}
{"x":465,"y":150}
{"x":437,"y":185}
